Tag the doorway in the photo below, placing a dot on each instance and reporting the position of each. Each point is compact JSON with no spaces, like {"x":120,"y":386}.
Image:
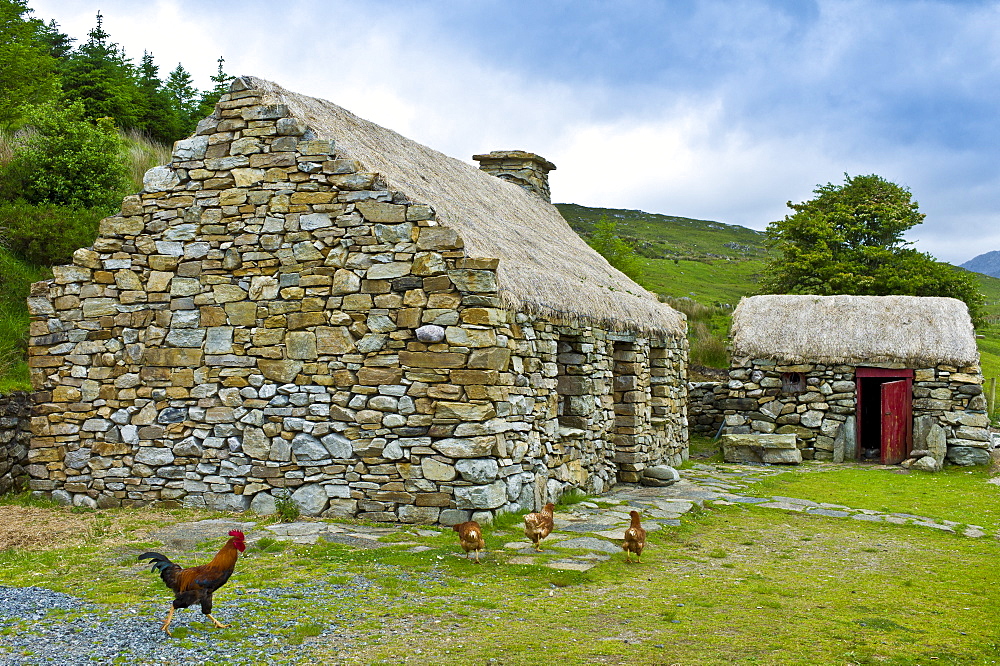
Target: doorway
{"x":884,"y":414}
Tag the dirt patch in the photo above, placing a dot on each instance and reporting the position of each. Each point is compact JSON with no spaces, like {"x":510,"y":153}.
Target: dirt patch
{"x":31,"y":528}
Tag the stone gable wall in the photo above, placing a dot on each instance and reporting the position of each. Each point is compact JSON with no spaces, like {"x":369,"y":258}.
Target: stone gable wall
{"x":949,"y":410}
{"x":268,"y":318}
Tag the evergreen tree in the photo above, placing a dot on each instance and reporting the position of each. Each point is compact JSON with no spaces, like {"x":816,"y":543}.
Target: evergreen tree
{"x":160,"y":120}
{"x":221,"y":87}
{"x":849,"y":240}
{"x":99,"y":75}
{"x":183,"y":98}
{"x":28,"y":71}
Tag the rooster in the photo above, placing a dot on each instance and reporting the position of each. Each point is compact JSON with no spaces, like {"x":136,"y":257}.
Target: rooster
{"x":470,"y":537}
{"x":635,"y":539}
{"x":196,"y":584}
{"x":538,"y":525}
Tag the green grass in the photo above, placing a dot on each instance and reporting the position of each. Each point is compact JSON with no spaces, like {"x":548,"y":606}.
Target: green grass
{"x":886,"y":490}
{"x":862,"y":593}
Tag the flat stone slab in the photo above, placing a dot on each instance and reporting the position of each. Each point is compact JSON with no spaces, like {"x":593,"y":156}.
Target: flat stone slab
{"x":570,"y":566}
{"x":591,"y":543}
{"x":185,"y":536}
{"x":521,"y":560}
{"x":587,"y":527}
{"x":782,"y":505}
{"x":828,"y":512}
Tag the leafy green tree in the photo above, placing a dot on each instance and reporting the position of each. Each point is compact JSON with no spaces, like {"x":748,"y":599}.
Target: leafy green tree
{"x":99,"y":75}
{"x":68,"y":160}
{"x":211,"y":97}
{"x":849,"y":240}
{"x":619,"y":252}
{"x":28,"y":71}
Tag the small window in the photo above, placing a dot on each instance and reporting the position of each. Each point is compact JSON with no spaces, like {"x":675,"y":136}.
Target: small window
{"x":793,"y":382}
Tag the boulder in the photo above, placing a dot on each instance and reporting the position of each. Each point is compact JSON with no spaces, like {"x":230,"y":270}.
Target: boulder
{"x":756,"y":448}
{"x":311,"y":499}
{"x":968,"y":455}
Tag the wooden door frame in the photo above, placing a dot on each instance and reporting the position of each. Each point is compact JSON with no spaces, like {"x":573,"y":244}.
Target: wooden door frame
{"x":888,"y":374}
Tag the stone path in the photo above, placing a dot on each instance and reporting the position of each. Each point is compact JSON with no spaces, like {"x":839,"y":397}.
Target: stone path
{"x":585,"y":526}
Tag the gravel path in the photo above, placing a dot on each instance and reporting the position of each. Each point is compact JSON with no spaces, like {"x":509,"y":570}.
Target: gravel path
{"x":39,"y":626}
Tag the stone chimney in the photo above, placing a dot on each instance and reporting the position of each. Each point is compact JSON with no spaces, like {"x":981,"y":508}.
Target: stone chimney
{"x":528,"y":170}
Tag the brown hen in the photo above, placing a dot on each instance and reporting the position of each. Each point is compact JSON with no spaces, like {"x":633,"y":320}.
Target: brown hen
{"x":470,"y":537}
{"x":635,"y":539}
{"x":538,"y":525}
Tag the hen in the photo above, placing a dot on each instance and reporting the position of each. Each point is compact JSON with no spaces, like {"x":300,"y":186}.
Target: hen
{"x":635,"y":539}
{"x":538,"y":525}
{"x":470,"y":537}
{"x":196,"y":584}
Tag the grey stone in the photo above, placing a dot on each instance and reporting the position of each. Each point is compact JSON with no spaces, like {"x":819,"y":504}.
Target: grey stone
{"x":481,"y":497}
{"x":967,"y":456}
{"x":453,"y":516}
{"x":591,"y":543}
{"x":936,"y":442}
{"x":187,"y":150}
{"x":846,"y":442}
{"x":154,"y":456}
{"x":256,"y":444}
{"x":435,"y":470}
{"x":188,"y":447}
{"x":312,"y":499}
{"x":307,"y":447}
{"x":478,"y":470}
{"x":62,"y":497}
{"x":392,"y":451}
{"x":77,"y":459}
{"x":263,"y":504}
{"x":430,"y":333}
{"x":926,"y":464}
{"x":662,"y":472}
{"x":160,"y":179}
{"x":338,"y":446}
{"x":226,"y":502}
{"x":463,"y":448}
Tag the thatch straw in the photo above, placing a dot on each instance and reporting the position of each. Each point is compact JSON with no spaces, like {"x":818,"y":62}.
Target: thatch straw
{"x":854,"y":330}
{"x":545,"y":268}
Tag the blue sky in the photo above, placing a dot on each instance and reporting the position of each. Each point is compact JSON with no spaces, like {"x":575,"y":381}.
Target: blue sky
{"x":719,"y":110}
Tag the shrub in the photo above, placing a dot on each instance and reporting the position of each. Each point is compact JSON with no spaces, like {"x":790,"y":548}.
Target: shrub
{"x":66,"y":160}
{"x":288,"y":509}
{"x":46,"y":234}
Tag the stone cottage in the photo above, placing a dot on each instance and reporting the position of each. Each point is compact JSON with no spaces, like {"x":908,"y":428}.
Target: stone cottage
{"x":304,"y":302}
{"x":883,"y":378}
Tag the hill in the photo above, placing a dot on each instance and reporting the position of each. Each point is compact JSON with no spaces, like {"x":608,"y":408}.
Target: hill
{"x":715,"y":264}
{"x":987,"y":264}
{"x":711,"y":262}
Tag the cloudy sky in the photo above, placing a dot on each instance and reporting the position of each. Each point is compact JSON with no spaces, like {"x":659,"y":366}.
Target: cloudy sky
{"x":712,"y":109}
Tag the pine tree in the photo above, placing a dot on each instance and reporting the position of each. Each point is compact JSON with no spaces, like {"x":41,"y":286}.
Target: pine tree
{"x":99,"y":74}
{"x":160,"y":120}
{"x":211,"y":97}
{"x":183,"y":98}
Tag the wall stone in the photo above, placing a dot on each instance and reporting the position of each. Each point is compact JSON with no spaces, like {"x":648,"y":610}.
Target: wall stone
{"x":267,"y":318}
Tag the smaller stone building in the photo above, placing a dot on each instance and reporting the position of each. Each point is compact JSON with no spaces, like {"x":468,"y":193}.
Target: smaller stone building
{"x":882,"y":378}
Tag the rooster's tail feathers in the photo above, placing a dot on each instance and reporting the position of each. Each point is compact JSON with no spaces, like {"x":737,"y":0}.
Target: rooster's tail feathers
{"x":160,"y":561}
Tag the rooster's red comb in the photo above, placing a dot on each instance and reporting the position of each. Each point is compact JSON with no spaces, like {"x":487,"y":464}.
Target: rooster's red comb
{"x":237,"y":533}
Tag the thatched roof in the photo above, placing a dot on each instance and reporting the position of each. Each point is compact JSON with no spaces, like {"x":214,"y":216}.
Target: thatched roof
{"x":854,"y":330}
{"x":545,"y":268}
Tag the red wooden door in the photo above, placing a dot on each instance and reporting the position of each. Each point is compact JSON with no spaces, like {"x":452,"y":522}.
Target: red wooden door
{"x":895,"y":421}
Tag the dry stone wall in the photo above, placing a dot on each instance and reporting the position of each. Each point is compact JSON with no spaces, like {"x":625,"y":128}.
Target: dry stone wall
{"x":266,"y":317}
{"x":949,"y":410}
{"x":15,"y":435}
